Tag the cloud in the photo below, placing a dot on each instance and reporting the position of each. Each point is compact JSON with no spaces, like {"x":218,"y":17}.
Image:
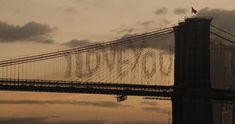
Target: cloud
{"x":80,"y":122}
{"x":124,"y":30}
{"x":137,"y":27}
{"x":165,"y":21}
{"x":222,"y":18}
{"x":138,"y":122}
{"x":45,"y":120}
{"x":77,"y":43}
{"x":49,"y":41}
{"x":163,"y":42}
{"x":161,"y":11}
{"x":150,"y":103}
{"x":142,"y":26}
{"x":103,"y":104}
{"x":70,"y":9}
{"x":152,"y":107}
{"x":156,"y":109}
{"x":18,"y":11}
{"x":180,"y":11}
{"x":30,"y":32}
{"x":24,"y":120}
{"x":146,"y":23}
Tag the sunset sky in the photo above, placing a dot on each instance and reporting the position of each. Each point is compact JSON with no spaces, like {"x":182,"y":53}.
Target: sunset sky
{"x":56,"y":24}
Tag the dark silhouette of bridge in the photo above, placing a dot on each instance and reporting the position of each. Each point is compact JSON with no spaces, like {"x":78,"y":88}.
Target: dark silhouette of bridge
{"x":131,"y":66}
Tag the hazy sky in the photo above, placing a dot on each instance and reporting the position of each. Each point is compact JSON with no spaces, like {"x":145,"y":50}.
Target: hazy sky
{"x":100,"y":19}
{"x":60,"y":21}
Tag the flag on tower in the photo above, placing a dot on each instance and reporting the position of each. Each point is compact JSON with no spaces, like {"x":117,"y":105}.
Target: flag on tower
{"x":194,"y":11}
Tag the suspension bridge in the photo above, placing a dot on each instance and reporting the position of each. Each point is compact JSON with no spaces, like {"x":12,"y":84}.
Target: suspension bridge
{"x":190,"y":64}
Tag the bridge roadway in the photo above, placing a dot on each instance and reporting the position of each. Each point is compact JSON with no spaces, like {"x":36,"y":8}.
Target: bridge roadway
{"x":85,"y":87}
{"x":161,"y":92}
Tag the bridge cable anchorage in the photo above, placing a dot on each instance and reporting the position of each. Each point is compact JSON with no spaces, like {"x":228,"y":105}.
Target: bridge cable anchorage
{"x":82,"y":49}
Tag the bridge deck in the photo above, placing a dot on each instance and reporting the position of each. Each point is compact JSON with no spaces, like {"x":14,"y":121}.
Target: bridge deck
{"x":165,"y":92}
{"x":85,"y":87}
